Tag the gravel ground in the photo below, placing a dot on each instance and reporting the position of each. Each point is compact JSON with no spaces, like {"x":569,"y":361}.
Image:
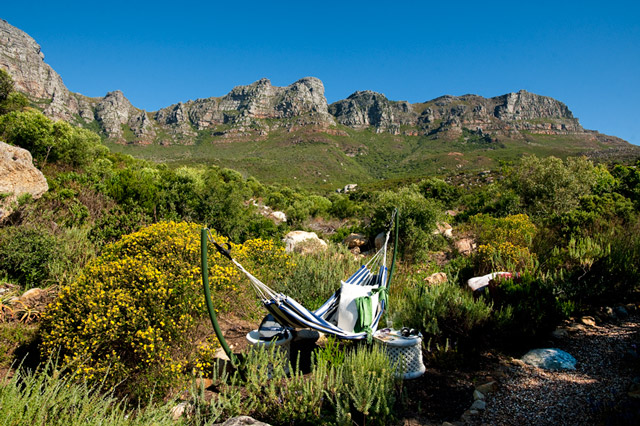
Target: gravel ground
{"x":595,"y":393}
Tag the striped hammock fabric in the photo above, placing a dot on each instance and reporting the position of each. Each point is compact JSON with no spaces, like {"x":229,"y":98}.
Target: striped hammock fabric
{"x":289,"y":313}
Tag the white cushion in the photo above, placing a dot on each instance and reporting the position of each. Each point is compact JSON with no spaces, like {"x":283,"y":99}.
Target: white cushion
{"x":347,"y":309}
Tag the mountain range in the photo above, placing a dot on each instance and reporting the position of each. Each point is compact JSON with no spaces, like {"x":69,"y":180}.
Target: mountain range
{"x":364,"y":128}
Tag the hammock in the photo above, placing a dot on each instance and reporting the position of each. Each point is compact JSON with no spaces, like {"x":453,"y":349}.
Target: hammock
{"x":289,"y":313}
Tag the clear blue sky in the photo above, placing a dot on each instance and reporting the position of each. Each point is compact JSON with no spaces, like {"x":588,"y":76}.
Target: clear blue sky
{"x":585,"y":54}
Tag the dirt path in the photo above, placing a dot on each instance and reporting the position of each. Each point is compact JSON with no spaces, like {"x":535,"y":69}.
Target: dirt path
{"x":597,"y":392}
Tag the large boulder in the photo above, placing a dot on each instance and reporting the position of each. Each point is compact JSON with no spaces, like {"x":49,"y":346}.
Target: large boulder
{"x":18,"y":176}
{"x":444,"y":229}
{"x":550,"y":359}
{"x":465,"y":246}
{"x":437,"y":278}
{"x":355,"y":240}
{"x":303,"y":242}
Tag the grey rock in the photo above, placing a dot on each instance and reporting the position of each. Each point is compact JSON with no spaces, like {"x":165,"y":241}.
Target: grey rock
{"x":550,"y":359}
{"x":354,"y":240}
{"x":23,"y":59}
{"x":479,"y":405}
{"x":621,"y":312}
{"x":303,"y":242}
{"x":255,"y":110}
{"x":179,"y":410}
{"x":477,"y":395}
{"x":465,"y":246}
{"x":243,"y":421}
{"x":115,"y":111}
{"x":487,"y":388}
{"x":436,"y":278}
{"x":559,"y":333}
{"x":18,"y":176}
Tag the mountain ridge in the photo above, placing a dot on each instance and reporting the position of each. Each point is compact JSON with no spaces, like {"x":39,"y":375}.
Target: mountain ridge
{"x":259,"y":108}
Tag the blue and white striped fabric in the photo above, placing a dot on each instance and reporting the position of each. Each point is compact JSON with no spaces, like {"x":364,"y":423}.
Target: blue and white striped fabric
{"x":290,"y":313}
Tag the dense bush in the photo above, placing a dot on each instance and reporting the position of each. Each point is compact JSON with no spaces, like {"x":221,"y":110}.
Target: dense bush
{"x":134,"y":314}
{"x":27,"y":255}
{"x":526,"y":308}
{"x":549,"y":185}
{"x":50,"y":141}
{"x":43,"y":397}
{"x":312,"y":278}
{"x":418,"y":218}
{"x":441,"y":311}
{"x":503,"y":243}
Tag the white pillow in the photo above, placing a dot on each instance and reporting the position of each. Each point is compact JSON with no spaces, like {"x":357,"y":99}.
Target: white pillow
{"x":347,"y":310}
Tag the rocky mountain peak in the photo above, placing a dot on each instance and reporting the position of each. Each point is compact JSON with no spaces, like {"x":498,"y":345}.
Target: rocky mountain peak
{"x":367,"y":108}
{"x":23,"y":59}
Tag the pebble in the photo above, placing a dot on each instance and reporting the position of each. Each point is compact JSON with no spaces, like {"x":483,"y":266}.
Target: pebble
{"x":479,"y":405}
{"x":487,"y":388}
{"x":590,"y":321}
{"x":477,"y":395}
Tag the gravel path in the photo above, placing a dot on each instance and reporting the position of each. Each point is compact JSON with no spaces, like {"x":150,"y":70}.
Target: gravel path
{"x":595,"y":393}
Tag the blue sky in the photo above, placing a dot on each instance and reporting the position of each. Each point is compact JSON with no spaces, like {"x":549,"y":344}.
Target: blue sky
{"x":585,"y":54}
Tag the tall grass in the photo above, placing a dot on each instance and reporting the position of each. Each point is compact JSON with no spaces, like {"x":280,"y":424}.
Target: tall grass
{"x":45,"y":398}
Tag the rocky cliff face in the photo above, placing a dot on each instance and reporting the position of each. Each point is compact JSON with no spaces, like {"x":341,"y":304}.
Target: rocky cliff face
{"x":502,"y":114}
{"x":255,"y":110}
{"x":246,"y":108}
{"x":367,"y":108}
{"x":21,"y":57}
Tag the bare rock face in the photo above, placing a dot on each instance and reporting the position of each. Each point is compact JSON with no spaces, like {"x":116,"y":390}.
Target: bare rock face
{"x":115,"y":114}
{"x":18,"y":176}
{"x":22,"y":58}
{"x":245,"y":108}
{"x":253,"y":111}
{"x":367,"y":108}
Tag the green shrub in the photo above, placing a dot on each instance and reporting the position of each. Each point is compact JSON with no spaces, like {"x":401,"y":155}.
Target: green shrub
{"x":549,"y":185}
{"x":526,"y":308}
{"x":312,"y":278}
{"x":27,"y":255}
{"x":361,"y":389}
{"x":441,"y":311}
{"x":418,"y":218}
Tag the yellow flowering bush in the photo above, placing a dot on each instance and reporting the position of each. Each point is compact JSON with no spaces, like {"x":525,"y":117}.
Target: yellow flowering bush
{"x":137,"y":315}
{"x":504,"y":257}
{"x":516,"y":229}
{"x":503,"y":242}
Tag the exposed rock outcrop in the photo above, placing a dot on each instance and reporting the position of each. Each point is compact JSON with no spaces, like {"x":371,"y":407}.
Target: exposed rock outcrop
{"x":502,"y":114}
{"x":118,"y":117}
{"x":245,"y":108}
{"x":23,"y":59}
{"x":367,"y":108}
{"x":18,"y":176}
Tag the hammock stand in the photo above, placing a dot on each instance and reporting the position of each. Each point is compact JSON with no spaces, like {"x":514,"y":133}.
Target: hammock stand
{"x":290,"y":313}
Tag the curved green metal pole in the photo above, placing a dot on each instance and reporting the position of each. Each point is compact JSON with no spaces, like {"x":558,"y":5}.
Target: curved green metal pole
{"x":395,"y":248}
{"x":207,"y":297}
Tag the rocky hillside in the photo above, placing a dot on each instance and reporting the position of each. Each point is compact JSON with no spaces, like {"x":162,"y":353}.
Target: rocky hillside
{"x":257,"y":110}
